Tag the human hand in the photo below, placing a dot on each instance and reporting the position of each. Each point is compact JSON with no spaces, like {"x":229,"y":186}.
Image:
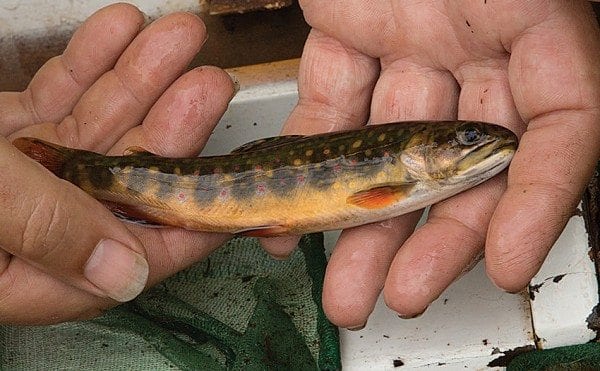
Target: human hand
{"x":63,"y":256}
{"x":531,"y":66}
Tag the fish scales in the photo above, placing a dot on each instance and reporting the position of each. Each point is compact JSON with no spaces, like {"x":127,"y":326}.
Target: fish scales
{"x":292,"y":185}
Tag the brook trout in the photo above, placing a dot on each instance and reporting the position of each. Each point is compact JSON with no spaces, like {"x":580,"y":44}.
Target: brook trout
{"x":291,"y":184}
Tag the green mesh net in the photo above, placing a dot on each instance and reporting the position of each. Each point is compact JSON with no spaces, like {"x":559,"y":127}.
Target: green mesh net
{"x":238,"y":309}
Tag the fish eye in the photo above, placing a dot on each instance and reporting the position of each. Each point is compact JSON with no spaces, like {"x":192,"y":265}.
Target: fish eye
{"x":468,"y":135}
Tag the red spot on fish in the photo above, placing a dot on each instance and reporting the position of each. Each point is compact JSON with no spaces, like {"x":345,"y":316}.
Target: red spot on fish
{"x":261,"y":189}
{"x":196,"y":172}
{"x":236,"y":168}
{"x":386,"y":154}
{"x":181,"y":197}
{"x":224,"y":193}
{"x":217,"y":170}
{"x":337,"y":168}
{"x":353,"y":162}
{"x":258,"y":168}
{"x":301,"y":179}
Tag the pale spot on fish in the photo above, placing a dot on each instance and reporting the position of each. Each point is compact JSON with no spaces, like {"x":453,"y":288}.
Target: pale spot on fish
{"x":342,"y":147}
{"x":326,"y":151}
{"x":297,"y":162}
{"x":381,"y":137}
{"x":368,"y":152}
{"x":309,"y":153}
{"x":177,"y":171}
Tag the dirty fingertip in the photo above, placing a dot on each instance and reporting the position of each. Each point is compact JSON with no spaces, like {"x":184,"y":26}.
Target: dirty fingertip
{"x":280,"y":248}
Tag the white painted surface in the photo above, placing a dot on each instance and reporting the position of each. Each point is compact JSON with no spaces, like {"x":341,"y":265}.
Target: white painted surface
{"x":565,"y":290}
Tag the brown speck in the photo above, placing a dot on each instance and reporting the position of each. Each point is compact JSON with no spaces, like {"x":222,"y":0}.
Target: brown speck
{"x":254,"y":124}
{"x":386,"y":336}
{"x":398,"y":363}
{"x":485,"y":341}
{"x":468,"y":24}
{"x":227,"y":126}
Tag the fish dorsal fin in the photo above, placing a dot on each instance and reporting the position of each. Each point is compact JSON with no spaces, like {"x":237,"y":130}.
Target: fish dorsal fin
{"x":380,"y":197}
{"x":137,"y":151}
{"x":267,"y":143}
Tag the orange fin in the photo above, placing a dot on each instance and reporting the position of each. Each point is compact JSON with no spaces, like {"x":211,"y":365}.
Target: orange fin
{"x":266,"y":231}
{"x":380,"y":197}
{"x":51,"y":156}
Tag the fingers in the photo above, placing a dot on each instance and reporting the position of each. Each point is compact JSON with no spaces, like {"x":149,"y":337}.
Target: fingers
{"x":121,"y":98}
{"x":58,"y":85}
{"x":66,"y":233}
{"x":404,"y":92}
{"x":332,"y":97}
{"x":557,"y":93}
{"x":454,"y":234}
{"x":182,"y":119}
{"x":178,"y":125}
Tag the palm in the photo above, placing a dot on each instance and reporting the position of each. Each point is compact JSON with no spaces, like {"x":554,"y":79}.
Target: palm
{"x":527,"y":65}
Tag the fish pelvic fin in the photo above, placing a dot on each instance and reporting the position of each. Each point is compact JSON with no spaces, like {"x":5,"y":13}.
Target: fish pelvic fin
{"x":264,"y":231}
{"x":380,"y":197}
{"x":51,"y":156}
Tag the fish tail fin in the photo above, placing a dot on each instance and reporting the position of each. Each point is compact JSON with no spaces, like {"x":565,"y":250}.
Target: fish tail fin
{"x":51,"y":156}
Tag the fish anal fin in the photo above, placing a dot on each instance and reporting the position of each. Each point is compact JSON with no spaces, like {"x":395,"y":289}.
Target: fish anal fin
{"x":267,"y":143}
{"x":380,"y":197}
{"x":265,"y":231}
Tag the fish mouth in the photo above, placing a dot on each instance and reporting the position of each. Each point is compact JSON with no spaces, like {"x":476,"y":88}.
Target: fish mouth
{"x":496,"y":157}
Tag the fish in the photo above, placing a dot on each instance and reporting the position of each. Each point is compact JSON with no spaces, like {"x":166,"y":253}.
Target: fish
{"x":290,"y":185}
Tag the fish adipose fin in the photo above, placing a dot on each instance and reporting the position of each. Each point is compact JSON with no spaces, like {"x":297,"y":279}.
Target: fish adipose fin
{"x":137,"y":151}
{"x":51,"y":156}
{"x":267,"y":143}
{"x":380,"y":197}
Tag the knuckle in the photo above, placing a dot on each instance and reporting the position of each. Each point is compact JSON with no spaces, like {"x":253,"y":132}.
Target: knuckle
{"x":45,"y":228}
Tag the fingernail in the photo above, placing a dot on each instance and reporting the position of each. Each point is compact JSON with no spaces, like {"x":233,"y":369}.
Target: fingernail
{"x":357,"y":328}
{"x":412,"y":316}
{"x":236,"y":83}
{"x":280,"y":257}
{"x":117,"y":270}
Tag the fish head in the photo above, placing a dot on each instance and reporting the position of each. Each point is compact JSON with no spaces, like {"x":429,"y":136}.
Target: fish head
{"x":458,"y":153}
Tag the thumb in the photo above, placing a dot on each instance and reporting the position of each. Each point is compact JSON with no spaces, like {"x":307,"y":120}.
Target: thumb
{"x":61,"y":230}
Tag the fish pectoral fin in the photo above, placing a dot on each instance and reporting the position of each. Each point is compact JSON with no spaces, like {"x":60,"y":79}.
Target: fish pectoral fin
{"x":132,"y":214}
{"x":137,"y":151}
{"x":380,"y":197}
{"x":267,"y":143}
{"x":264,"y":231}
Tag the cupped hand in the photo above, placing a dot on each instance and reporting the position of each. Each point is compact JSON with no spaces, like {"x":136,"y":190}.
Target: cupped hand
{"x":118,"y":84}
{"x":532,"y":66}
